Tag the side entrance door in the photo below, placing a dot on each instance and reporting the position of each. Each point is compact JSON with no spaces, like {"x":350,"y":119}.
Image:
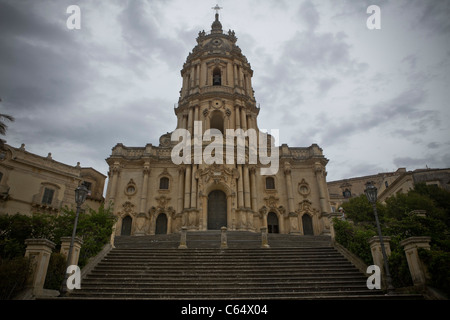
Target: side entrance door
{"x":126,"y":226}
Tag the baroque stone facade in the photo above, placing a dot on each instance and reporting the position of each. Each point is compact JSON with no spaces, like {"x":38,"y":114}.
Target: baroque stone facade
{"x":152,"y":194}
{"x":31,"y":183}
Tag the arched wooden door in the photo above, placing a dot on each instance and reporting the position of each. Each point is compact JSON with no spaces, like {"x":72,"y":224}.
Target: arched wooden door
{"x":217,"y":210}
{"x":307,"y":225}
{"x":126,"y":226}
{"x":272,"y":223}
{"x":161,"y":224}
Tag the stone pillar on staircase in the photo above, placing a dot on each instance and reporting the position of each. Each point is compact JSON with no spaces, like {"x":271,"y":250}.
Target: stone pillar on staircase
{"x":39,"y":252}
{"x":375,"y":248}
{"x":264,"y":240}
{"x":65,"y":245}
{"x":417,"y":268}
{"x":183,"y":238}
{"x":223,"y":238}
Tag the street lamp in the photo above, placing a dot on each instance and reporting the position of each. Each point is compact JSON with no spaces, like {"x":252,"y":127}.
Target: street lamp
{"x":371,"y":194}
{"x":80,"y":196}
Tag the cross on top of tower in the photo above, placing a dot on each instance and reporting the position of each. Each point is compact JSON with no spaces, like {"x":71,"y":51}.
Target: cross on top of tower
{"x":217,"y":8}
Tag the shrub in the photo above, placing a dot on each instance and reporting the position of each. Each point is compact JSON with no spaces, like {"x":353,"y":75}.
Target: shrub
{"x":14,"y":274}
{"x":56,"y":271}
{"x":437,"y":262}
{"x":354,"y":239}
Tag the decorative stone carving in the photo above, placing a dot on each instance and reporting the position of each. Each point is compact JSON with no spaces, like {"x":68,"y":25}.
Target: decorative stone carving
{"x":217,"y":173}
{"x":131,"y":188}
{"x":162,"y":201}
{"x":271,"y":201}
{"x":128,"y":209}
{"x":164,"y":140}
{"x":303,"y":188}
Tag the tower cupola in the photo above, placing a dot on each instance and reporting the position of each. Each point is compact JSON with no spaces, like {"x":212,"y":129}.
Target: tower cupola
{"x":217,"y":87}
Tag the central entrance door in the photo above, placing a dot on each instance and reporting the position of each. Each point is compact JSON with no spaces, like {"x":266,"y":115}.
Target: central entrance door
{"x":272,"y":223}
{"x":161,"y":224}
{"x":217,"y":210}
{"x":307,"y":225}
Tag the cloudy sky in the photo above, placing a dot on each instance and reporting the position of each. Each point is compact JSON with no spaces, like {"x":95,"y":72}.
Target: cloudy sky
{"x":374,"y":100}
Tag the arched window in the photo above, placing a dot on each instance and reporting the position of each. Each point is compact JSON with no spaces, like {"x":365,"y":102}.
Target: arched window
{"x":347,"y":193}
{"x":217,"y":121}
{"x":164,"y":183}
{"x":217,"y":77}
{"x":270,"y":183}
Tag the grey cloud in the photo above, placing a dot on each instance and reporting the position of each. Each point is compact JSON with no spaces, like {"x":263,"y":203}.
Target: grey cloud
{"x":432,"y":15}
{"x":309,"y":14}
{"x":433,"y":145}
{"x":414,"y":162}
{"x":377,"y":115}
{"x":325,"y":84}
{"x":147,"y":40}
{"x":362,"y":169}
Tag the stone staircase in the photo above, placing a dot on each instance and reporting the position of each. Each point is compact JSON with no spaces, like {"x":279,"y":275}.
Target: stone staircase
{"x":294,"y":267}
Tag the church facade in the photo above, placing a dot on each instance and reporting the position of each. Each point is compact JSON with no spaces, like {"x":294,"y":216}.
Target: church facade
{"x":152,"y":194}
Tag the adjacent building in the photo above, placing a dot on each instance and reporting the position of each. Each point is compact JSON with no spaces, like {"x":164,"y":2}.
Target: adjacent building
{"x":31,"y":183}
{"x":387,"y":183}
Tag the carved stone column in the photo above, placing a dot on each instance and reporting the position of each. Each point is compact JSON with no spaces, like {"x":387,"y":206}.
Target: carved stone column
{"x":187,"y":187}
{"x":240,"y":187}
{"x":238,"y":118}
{"x":287,"y":173}
{"x":243,"y":119}
{"x":181,"y":170}
{"x":144,"y":188}
{"x":253,"y":188}
{"x":247,"y":202}
{"x":194,"y":187}
{"x":114,"y":172}
{"x":320,"y":177}
{"x":191,"y":121}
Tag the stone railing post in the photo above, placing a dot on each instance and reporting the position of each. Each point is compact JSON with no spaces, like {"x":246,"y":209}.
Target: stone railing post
{"x":65,"y":245}
{"x":377,"y":255}
{"x":417,"y":268}
{"x":39,"y":252}
{"x":264,"y":241}
{"x":223,"y":238}
{"x":331,"y":216}
{"x":375,"y":248}
{"x":183,"y":238}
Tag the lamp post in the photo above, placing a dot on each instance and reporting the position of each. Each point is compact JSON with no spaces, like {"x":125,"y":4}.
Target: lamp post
{"x":80,"y":196}
{"x":371,"y":194}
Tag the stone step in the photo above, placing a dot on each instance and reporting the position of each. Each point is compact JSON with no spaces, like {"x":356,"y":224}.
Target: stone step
{"x":226,"y":263}
{"x":247,"y":289}
{"x":204,"y":239}
{"x":144,"y":283}
{"x":294,"y":267}
{"x":230,"y":295}
{"x":256,"y":276}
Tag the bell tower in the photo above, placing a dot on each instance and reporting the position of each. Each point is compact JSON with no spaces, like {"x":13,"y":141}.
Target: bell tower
{"x":217,"y":84}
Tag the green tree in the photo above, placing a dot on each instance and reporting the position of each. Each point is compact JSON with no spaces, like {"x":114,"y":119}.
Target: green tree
{"x":3,"y":126}
{"x":398,"y":221}
{"x":360,"y":210}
